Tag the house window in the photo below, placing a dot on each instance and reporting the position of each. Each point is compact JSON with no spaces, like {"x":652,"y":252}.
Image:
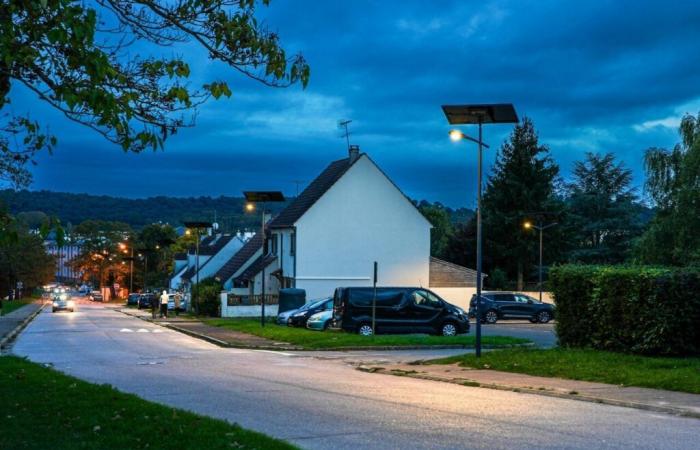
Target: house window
{"x":274,"y":244}
{"x":292,"y":244}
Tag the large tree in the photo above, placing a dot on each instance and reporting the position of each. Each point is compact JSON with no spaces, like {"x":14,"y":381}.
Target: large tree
{"x":522,"y":182}
{"x":78,"y":57}
{"x":604,"y":217}
{"x":673,"y":182}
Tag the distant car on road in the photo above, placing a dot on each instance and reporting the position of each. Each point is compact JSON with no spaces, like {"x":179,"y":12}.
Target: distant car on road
{"x":145,"y":300}
{"x":133,"y":299}
{"x":320,"y":321}
{"x":299,"y":318}
{"x":398,"y":310}
{"x":497,"y":305}
{"x":96,"y":296}
{"x":62,"y":302}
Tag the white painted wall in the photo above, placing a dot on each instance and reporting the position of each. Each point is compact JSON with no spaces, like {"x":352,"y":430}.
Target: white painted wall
{"x":245,"y":310}
{"x":218,"y":260}
{"x":361,"y":219}
{"x":458,"y":296}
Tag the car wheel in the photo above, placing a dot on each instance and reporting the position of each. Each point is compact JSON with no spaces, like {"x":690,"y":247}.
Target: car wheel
{"x":491,"y":317}
{"x":53,"y":310}
{"x":365,"y":330}
{"x":544,"y":317}
{"x":448,"y":329}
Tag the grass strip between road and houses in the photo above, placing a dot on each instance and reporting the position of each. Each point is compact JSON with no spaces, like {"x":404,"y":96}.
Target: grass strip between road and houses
{"x":45,"y":409}
{"x":673,"y":374}
{"x":9,"y":306}
{"x":339,"y":339}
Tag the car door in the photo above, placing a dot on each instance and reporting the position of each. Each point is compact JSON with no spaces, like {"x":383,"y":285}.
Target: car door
{"x":524,"y":306}
{"x":425,"y":308}
{"x":505,"y":304}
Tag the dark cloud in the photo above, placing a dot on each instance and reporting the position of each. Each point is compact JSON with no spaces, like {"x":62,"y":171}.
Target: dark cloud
{"x":594,"y":76}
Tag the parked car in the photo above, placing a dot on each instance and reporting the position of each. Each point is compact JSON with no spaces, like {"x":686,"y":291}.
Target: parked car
{"x":398,"y":310}
{"x":96,"y":296}
{"x":499,"y":305}
{"x":283,"y":317}
{"x":62,"y":302}
{"x":145,"y":300}
{"x":299,"y":318}
{"x":133,"y":299}
{"x":320,"y":321}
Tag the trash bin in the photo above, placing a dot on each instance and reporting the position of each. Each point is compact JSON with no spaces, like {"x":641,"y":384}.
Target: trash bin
{"x":291,"y":298}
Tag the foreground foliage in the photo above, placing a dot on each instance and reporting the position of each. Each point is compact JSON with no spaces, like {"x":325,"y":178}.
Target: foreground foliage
{"x":645,"y":310}
{"x":336,"y":339}
{"x":43,"y":409}
{"x":673,"y":374}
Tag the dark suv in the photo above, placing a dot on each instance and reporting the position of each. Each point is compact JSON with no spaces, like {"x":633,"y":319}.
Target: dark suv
{"x":301,"y":316}
{"x":511,"y":305}
{"x":398,"y":310}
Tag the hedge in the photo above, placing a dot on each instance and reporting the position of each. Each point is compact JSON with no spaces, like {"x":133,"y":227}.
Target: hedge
{"x":644,"y":310}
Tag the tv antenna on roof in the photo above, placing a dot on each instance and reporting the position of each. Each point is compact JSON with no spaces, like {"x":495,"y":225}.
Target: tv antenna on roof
{"x":343,"y":125}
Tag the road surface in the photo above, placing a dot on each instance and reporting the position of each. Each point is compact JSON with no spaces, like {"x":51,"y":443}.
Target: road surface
{"x":320,"y":401}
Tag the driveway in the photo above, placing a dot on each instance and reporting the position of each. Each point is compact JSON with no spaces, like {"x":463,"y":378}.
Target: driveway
{"x":322,"y":402}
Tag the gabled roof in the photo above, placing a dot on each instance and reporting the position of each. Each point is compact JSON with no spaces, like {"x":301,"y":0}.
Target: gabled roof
{"x":315,"y":190}
{"x":447,"y":274}
{"x":211,"y":245}
{"x":256,"y":267}
{"x":189,"y":273}
{"x":239,"y":259}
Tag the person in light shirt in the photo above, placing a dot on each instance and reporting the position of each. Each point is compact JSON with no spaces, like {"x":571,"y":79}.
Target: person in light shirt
{"x":164,"y":304}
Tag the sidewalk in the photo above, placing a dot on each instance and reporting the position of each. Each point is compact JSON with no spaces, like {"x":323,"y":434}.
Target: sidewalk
{"x":678,"y":403}
{"x":215,"y":335}
{"x":12,"y":323}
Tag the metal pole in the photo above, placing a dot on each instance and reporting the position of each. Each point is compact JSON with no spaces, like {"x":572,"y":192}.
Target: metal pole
{"x":374,"y":301}
{"x":541,"y":229}
{"x":478,"y":249}
{"x":131,"y":271}
{"x":262,"y":255}
{"x":145,"y":271}
{"x":196,"y":287}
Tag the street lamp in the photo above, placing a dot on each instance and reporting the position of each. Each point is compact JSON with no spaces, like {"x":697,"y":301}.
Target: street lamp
{"x":539,"y":227}
{"x":197,"y":226}
{"x":262,"y":197}
{"x":123,"y":247}
{"x":478,"y":114}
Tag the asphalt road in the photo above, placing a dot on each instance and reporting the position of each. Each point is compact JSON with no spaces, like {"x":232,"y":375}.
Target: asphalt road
{"x":323,"y":402}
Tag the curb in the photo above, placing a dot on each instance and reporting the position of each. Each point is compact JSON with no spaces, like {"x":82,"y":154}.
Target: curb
{"x":544,"y":392}
{"x":10,"y":337}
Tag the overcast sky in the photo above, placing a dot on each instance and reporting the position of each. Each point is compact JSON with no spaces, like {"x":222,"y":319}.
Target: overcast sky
{"x":602,"y":76}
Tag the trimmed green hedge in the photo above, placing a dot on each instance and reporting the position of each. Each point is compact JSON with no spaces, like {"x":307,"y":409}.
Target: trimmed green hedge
{"x":645,"y":310}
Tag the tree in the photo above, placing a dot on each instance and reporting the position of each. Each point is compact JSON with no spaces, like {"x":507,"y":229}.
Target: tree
{"x":157,"y":241}
{"x":604,"y":217}
{"x":442,"y":227}
{"x":76,"y":57}
{"x":522,"y":182}
{"x":673,"y":180}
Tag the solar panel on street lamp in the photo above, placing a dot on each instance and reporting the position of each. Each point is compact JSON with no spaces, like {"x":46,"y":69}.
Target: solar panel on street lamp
{"x":478,"y":114}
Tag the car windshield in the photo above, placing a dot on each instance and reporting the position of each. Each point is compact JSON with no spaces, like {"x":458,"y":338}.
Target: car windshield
{"x":313,"y":304}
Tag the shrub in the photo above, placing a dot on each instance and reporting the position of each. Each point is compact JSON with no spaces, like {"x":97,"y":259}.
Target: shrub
{"x":646,"y":310}
{"x":209,"y":297}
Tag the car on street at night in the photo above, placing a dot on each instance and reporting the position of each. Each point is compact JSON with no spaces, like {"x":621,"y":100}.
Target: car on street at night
{"x":62,"y":302}
{"x":497,"y":305}
{"x":320,"y":321}
{"x":146,"y":300}
{"x":133,"y":299}
{"x":398,"y":310}
{"x":299,"y":318}
{"x":96,"y":296}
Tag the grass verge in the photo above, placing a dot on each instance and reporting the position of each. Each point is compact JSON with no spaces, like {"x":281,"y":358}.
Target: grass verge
{"x":45,"y":409}
{"x":338,"y":339}
{"x":673,"y":374}
{"x":8,"y":307}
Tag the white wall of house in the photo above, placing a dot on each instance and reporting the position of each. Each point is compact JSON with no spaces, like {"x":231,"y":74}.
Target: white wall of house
{"x":458,"y":296}
{"x":284,"y":247}
{"x":218,"y":260}
{"x":361,"y":219}
{"x":176,"y":280}
{"x":272,"y":286}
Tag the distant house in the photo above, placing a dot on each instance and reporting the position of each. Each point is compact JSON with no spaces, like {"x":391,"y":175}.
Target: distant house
{"x":350,"y":216}
{"x":64,"y":255}
{"x":214,"y":251}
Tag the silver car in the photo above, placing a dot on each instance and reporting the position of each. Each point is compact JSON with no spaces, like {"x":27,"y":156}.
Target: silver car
{"x":62,"y":302}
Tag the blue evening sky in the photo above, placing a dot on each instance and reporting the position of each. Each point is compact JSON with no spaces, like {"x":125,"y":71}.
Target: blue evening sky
{"x":602,"y":76}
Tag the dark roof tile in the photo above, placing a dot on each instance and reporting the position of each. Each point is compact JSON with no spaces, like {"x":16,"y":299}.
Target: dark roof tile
{"x":256,"y":267}
{"x":239,"y":259}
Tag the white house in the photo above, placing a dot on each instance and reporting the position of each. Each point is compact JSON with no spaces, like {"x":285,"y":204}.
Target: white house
{"x":214,"y":252}
{"x":350,"y":216}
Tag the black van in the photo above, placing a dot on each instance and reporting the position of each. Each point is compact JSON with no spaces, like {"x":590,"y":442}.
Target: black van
{"x":399,"y":310}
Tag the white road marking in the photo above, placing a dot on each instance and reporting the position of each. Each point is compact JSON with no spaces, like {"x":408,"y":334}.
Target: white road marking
{"x":126,"y":330}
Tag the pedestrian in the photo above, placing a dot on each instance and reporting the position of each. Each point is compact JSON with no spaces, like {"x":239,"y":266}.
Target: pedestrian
{"x":164,"y":304}
{"x":154,"y":304}
{"x":178,"y":303}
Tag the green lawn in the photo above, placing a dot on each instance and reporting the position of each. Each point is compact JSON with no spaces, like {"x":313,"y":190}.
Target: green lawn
{"x":334,"y":339}
{"x":674,"y":374}
{"x":8,"y":307}
{"x":44,"y":409}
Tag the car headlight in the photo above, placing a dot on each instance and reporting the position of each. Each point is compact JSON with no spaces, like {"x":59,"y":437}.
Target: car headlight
{"x":63,"y":296}
{"x":55,"y":303}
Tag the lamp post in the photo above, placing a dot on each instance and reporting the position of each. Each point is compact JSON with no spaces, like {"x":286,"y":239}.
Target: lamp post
{"x":539,"y":227}
{"x":122,"y":246}
{"x":478,"y":114}
{"x":262,"y":197}
{"x":197,"y":226}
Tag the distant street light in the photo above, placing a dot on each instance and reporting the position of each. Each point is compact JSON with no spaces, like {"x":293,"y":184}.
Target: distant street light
{"x":540,"y":227}
{"x":197,"y":226}
{"x":262,"y":197}
{"x":478,"y":114}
